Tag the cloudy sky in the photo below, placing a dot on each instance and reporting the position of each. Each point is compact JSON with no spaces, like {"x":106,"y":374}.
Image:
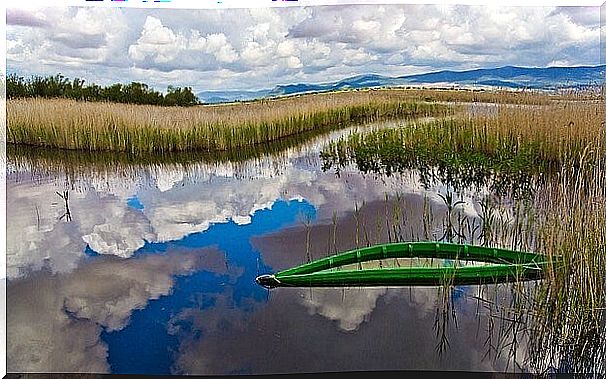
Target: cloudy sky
{"x":263,"y":47}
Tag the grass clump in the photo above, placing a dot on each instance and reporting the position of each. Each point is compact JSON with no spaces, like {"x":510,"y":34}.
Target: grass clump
{"x":515,"y":142}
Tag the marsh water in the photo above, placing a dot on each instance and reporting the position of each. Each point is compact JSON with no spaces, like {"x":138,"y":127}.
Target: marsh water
{"x":149,"y":268}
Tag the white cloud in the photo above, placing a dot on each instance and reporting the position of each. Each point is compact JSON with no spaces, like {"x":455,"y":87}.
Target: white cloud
{"x":166,"y":179}
{"x":286,"y":49}
{"x":162,"y":48}
{"x":35,"y":236}
{"x":157,"y":42}
{"x":115,"y":229}
{"x":218,"y":45}
{"x":294,"y":62}
{"x":259,"y":48}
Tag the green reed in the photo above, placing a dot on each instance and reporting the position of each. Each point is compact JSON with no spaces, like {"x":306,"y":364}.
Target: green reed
{"x":511,"y":149}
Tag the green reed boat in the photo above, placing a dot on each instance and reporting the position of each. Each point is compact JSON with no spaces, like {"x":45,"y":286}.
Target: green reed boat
{"x":501,"y":265}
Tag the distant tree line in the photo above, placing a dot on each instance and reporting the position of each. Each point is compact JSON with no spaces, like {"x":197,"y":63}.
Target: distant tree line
{"x":60,"y":86}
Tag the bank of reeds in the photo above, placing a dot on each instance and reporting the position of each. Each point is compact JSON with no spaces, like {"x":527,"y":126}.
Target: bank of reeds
{"x":496,"y":96}
{"x":67,"y":124}
{"x":516,"y":139}
{"x":569,"y":308}
{"x":481,"y":96}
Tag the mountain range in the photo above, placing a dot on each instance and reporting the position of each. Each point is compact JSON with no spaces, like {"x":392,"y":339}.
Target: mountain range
{"x":508,"y":77}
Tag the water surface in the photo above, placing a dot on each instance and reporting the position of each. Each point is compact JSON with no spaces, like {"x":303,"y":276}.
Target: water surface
{"x":149,"y":268}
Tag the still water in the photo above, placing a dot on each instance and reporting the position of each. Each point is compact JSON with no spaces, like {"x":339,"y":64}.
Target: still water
{"x":150,"y":268}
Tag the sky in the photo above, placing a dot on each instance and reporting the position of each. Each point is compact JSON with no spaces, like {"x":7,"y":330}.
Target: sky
{"x":246,"y":49}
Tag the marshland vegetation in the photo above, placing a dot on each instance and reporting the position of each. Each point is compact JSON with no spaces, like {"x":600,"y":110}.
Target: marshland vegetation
{"x":70,"y":124}
{"x":556,"y":148}
{"x":568,"y":309}
{"x":515,"y":141}
{"x":555,"y":324}
{"x":564,"y":216}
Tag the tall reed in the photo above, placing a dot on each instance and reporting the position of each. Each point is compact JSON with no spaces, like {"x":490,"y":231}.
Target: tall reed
{"x":515,"y":140}
{"x":561,"y":319}
{"x":569,"y":307}
{"x":69,"y":124}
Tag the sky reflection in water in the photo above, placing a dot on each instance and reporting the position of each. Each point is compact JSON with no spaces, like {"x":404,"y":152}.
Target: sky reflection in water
{"x":155,"y":273}
{"x":146,"y":345}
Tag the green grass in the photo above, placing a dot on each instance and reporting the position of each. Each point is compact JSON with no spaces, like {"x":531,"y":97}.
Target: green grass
{"x":448,"y":144}
{"x":512,"y":148}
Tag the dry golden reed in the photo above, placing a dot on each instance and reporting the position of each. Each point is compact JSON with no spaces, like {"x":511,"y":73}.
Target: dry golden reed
{"x":95,"y":126}
{"x":558,"y":132}
{"x":68,"y":124}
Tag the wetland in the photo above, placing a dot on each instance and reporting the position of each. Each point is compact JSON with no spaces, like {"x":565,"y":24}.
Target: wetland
{"x":143,"y":259}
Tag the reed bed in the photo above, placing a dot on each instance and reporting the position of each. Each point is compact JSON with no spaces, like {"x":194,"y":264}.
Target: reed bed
{"x":557,"y":324}
{"x":67,"y":124}
{"x":516,"y":139}
{"x":495,"y":96}
{"x":145,"y":129}
{"x":89,"y":161}
{"x":569,"y":308}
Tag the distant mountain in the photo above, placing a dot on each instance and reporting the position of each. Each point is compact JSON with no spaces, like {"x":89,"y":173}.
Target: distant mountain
{"x":213,"y":97}
{"x":291,"y":89}
{"x":516,"y":77}
{"x":510,"y":77}
{"x":360,"y":81}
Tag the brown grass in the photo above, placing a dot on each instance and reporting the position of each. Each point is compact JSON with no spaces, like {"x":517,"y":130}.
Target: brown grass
{"x":71,"y":124}
{"x":94,"y":126}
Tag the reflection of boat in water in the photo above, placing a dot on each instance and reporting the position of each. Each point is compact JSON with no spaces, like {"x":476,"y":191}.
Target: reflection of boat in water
{"x":482,"y":265}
